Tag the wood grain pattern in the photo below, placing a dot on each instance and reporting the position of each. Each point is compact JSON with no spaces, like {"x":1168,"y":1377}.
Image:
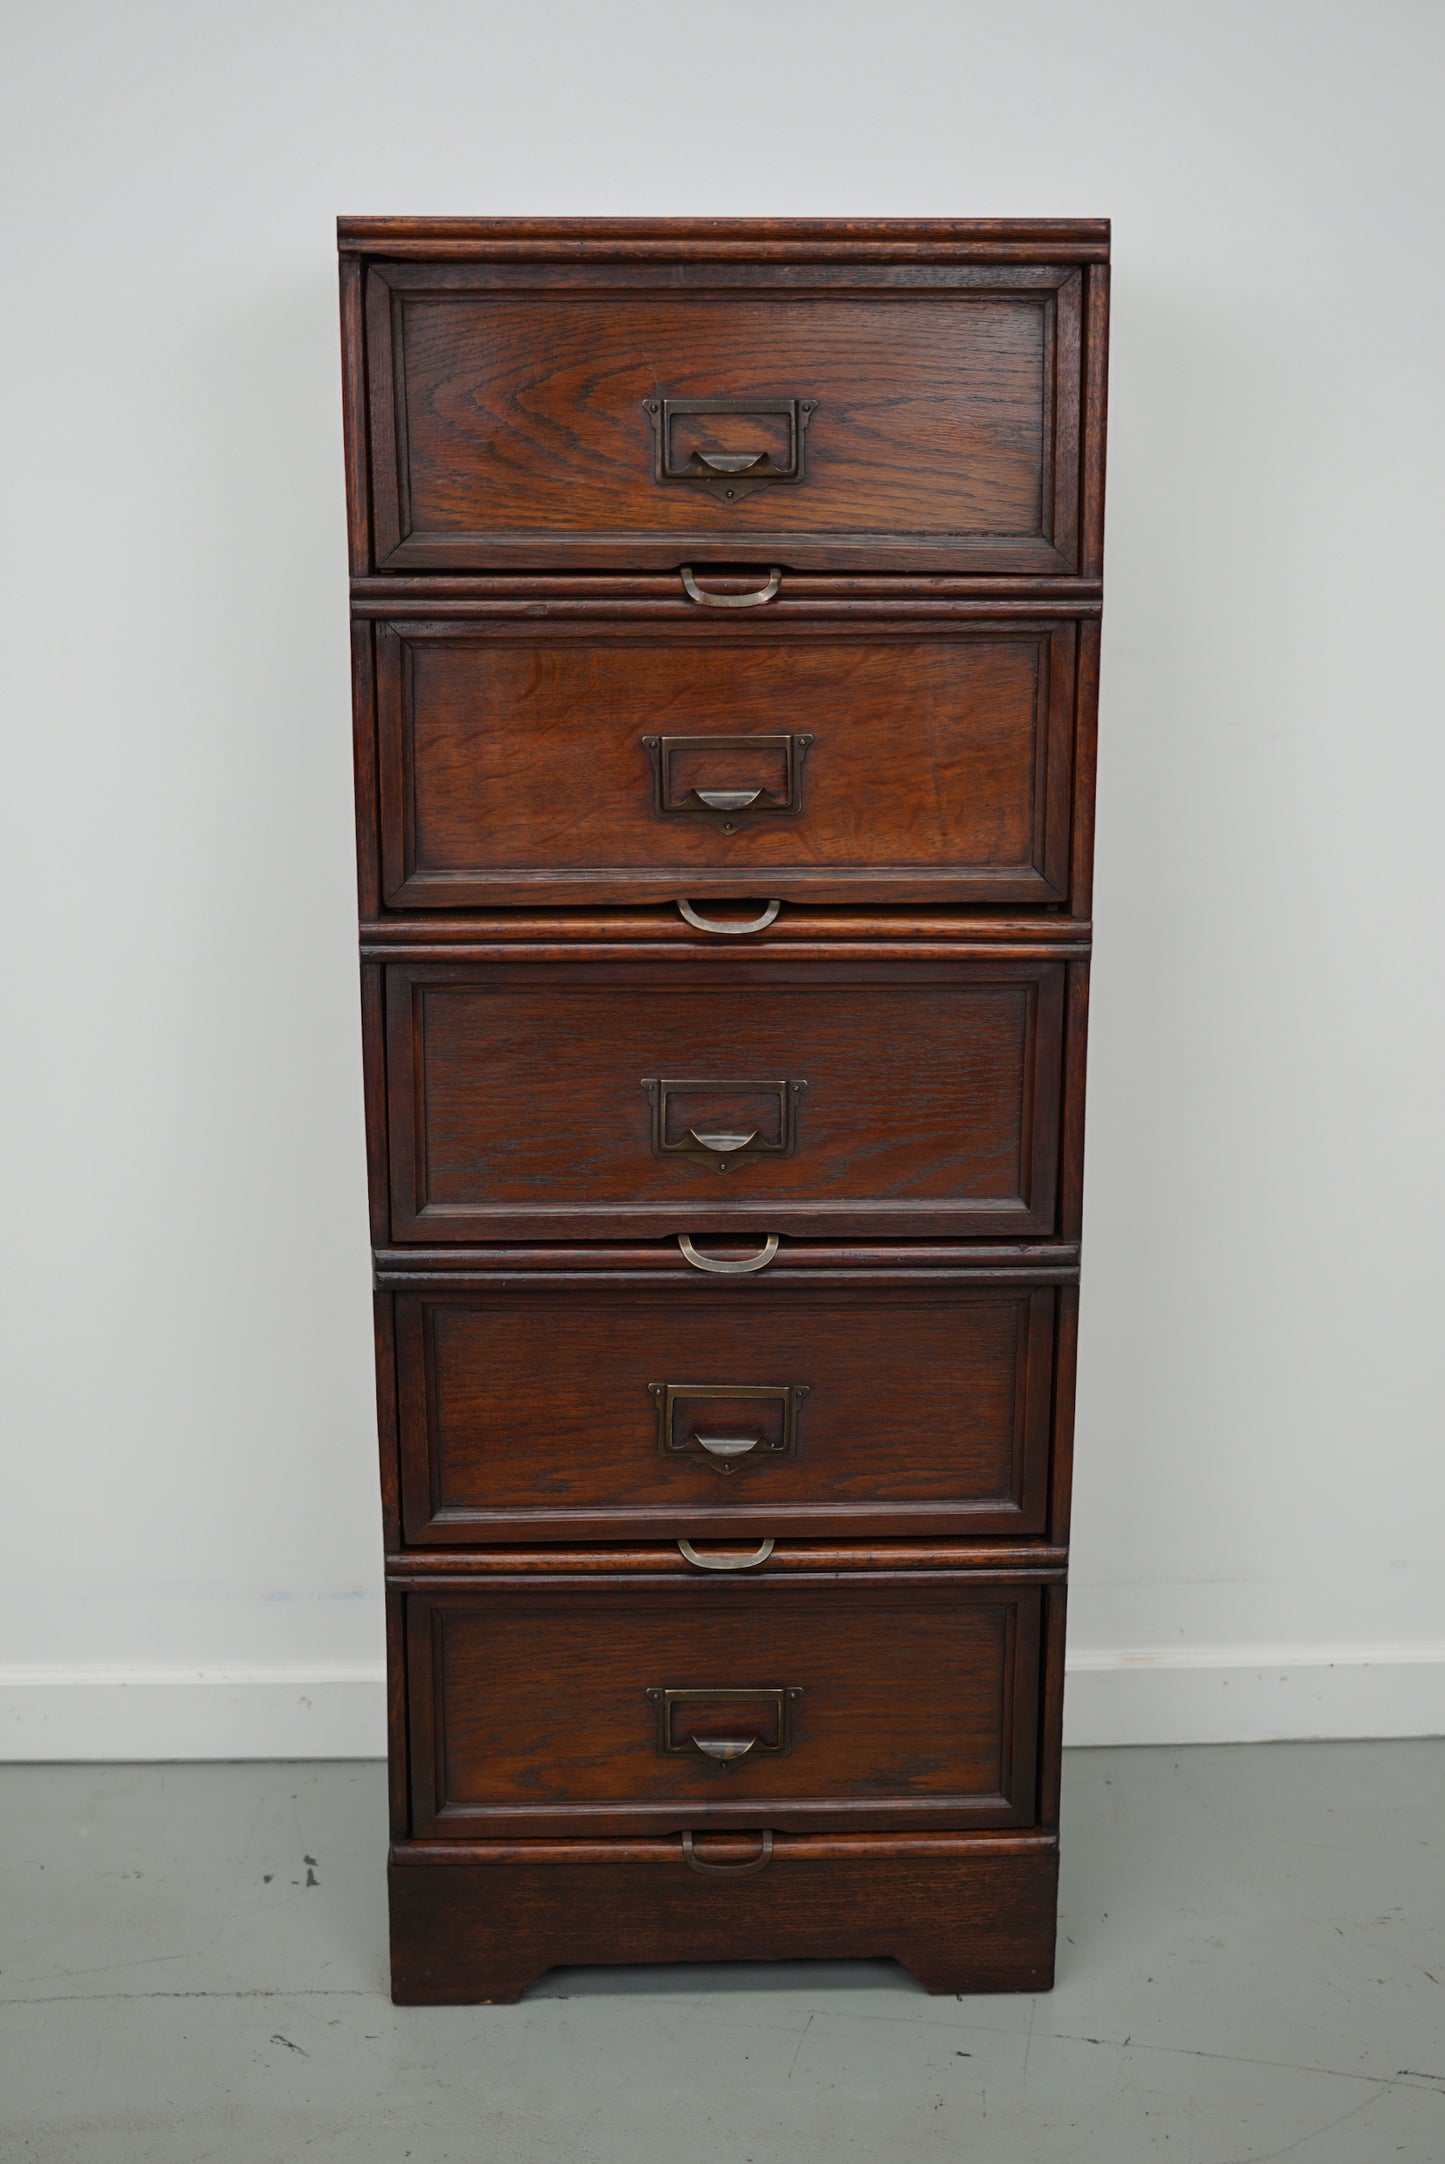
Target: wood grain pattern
{"x":353,"y":416}
{"x":931,"y":1107}
{"x":429,"y":939}
{"x":668,"y":1849}
{"x":900,"y":1262}
{"x":364,"y":768}
{"x":516,"y":769}
{"x":985,"y":1561}
{"x":982,"y":1920}
{"x":528,"y":1413}
{"x":530,"y":1714}
{"x":1096,"y":405}
{"x":509,"y":423}
{"x":481,"y":1933}
{"x":657,"y":596}
{"x":689,"y":240}
{"x":519,"y":625}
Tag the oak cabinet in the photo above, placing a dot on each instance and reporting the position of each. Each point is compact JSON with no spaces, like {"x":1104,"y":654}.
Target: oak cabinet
{"x":725,"y":659}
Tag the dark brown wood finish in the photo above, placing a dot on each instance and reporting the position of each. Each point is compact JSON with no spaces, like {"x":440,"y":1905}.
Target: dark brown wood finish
{"x":420,"y":1569}
{"x":660,"y":929}
{"x":543,"y":421}
{"x":705,"y":240}
{"x":925,"y":418}
{"x":657,"y":596}
{"x":893,"y":1099}
{"x":979,"y":1917}
{"x":556,"y":762}
{"x":545,"y":1413}
{"x":867,"y":1703}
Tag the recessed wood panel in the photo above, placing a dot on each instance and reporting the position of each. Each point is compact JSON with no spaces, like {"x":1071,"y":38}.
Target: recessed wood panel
{"x":911,"y":1703}
{"x":520,"y":763}
{"x":541,"y":1413}
{"x":529,"y":1101}
{"x":923,"y":418}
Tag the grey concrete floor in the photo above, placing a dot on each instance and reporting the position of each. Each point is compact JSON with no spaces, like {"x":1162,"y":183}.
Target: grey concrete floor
{"x":1252,"y":1967}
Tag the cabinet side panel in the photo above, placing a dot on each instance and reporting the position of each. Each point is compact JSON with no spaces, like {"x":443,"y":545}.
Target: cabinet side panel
{"x":1071,"y":1151}
{"x":1086,"y":753}
{"x":1066,"y":1349}
{"x":384,"y":1325}
{"x":363,"y":742}
{"x":353,"y":418}
{"x":1096,"y":395}
{"x":1051,"y":1711}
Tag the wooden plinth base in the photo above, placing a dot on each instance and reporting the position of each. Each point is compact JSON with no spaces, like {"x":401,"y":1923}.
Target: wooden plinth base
{"x":960,"y":1919}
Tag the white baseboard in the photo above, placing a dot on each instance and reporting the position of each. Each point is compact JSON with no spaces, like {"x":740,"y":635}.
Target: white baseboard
{"x":53,"y":1713}
{"x":1208,"y":1694}
{"x":1254,"y":1694}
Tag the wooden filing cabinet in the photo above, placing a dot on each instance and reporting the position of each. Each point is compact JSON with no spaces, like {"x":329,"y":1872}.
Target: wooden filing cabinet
{"x":725,"y":647}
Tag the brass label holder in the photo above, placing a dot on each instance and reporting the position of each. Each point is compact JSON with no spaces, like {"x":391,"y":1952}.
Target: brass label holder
{"x":729,"y":475}
{"x":728,"y":809}
{"x":719,"y":1146}
{"x":721,"y":1753}
{"x":726,"y":1452}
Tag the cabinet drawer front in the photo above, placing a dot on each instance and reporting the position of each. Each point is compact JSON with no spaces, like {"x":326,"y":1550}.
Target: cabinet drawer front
{"x":577,"y":1414}
{"x":540,"y":1101}
{"x":576,"y":763}
{"x":891,"y":417}
{"x":646,"y":1707}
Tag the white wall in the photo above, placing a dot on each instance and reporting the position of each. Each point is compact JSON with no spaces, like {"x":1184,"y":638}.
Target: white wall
{"x":192,"y":1538}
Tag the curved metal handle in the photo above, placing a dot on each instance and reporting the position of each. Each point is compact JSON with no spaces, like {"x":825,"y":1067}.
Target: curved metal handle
{"x":681,"y":794}
{"x":755,"y":600}
{"x":732,"y":1561}
{"x":728,"y":1870}
{"x":722,"y":1145}
{"x":722,"y":1268}
{"x":724,"y":1750}
{"x":714,"y":924}
{"x":726,"y":1446}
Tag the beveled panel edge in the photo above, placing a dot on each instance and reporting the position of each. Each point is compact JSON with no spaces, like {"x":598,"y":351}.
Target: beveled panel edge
{"x":422,"y":940}
{"x":640,"y":593}
{"x":636,"y":886}
{"x":429,"y":553}
{"x":869,"y":923}
{"x":800,"y":1847}
{"x":1004,"y":1560}
{"x":765,"y":239}
{"x":462,"y":1531}
{"x":939,"y":1262}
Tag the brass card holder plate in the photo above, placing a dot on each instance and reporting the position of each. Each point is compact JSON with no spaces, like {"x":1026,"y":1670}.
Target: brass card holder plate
{"x":713,"y":1143}
{"x":683,"y":1432}
{"x":722,"y":1753}
{"x":729,"y":475}
{"x":730,"y":808}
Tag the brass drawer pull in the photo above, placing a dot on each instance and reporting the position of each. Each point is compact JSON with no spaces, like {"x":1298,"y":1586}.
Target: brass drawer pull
{"x":780,"y":758}
{"x":719,"y":924}
{"x":773,"y":1103}
{"x":729,"y":475}
{"x":753,"y":600}
{"x":728,"y":1870}
{"x":766,"y":1714}
{"x":775,"y":1407}
{"x":729,"y":1561}
{"x":720,"y":1266}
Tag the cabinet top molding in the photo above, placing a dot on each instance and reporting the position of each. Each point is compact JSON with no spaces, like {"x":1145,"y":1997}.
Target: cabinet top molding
{"x":1013,"y":240}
